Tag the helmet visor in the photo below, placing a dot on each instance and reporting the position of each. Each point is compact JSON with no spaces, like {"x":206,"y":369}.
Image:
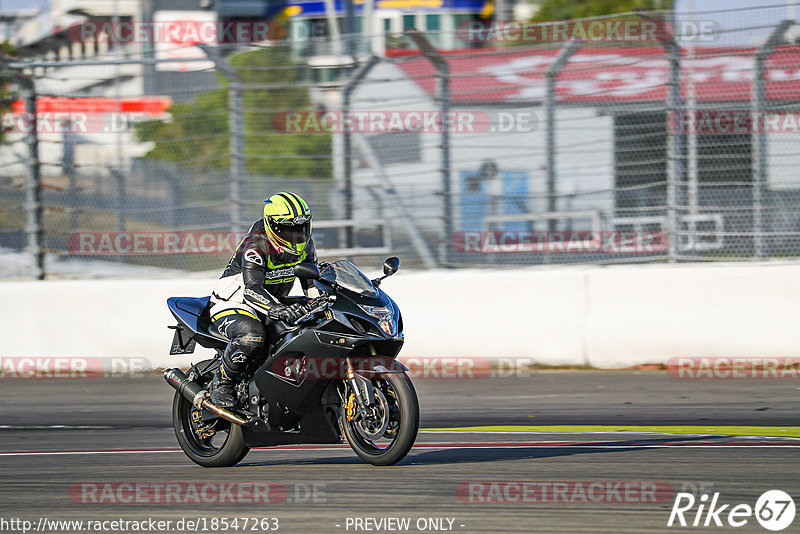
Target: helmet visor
{"x":293,"y":236}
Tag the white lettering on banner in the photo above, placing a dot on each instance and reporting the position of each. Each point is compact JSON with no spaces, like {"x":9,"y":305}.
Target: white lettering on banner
{"x":617,"y":76}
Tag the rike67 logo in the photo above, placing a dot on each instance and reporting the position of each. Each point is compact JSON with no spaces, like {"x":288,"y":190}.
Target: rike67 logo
{"x":774,"y":510}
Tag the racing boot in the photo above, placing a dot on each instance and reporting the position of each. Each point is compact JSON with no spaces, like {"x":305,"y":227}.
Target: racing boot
{"x":223,"y":393}
{"x":234,"y":363}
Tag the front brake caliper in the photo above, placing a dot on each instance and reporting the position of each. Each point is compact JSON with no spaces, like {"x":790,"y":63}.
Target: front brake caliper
{"x":351,"y":407}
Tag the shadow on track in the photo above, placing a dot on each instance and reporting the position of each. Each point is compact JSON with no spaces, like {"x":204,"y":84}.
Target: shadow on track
{"x":493,"y":454}
{"x":475,"y":454}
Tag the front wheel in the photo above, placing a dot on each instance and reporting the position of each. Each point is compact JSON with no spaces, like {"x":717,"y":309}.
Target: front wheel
{"x":386,"y":436}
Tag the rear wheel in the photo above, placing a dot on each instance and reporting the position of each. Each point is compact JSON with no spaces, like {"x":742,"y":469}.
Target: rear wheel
{"x":389,"y":432}
{"x":207,"y":442}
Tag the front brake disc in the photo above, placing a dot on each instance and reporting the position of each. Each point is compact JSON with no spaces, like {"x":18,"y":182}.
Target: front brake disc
{"x":374,"y":425}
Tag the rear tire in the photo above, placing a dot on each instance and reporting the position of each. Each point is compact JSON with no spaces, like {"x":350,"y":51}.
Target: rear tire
{"x":408,"y":408}
{"x":200,"y":451}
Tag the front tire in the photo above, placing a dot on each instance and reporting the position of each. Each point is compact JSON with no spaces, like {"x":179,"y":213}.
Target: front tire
{"x":224,"y":448}
{"x":406,"y":408}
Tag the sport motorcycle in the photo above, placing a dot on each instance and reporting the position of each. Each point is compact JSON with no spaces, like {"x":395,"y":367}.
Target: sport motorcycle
{"x":331,"y":377}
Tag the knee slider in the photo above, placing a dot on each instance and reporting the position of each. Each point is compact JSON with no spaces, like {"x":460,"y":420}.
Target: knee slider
{"x":249,"y":342}
{"x":248,"y":335}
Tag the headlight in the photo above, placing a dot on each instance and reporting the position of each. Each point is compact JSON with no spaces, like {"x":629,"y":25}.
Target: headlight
{"x":385,"y":316}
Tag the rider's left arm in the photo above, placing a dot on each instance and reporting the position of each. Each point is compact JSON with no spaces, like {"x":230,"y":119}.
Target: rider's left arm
{"x":311,"y":257}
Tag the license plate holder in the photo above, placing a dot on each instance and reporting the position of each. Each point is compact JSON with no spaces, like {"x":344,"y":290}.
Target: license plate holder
{"x":182,"y":342}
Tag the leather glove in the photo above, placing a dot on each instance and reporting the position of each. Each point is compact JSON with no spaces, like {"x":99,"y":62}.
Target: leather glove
{"x":287,"y":314}
{"x":299,"y":309}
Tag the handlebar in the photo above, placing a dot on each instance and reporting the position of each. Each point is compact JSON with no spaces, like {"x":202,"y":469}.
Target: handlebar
{"x":315,"y":306}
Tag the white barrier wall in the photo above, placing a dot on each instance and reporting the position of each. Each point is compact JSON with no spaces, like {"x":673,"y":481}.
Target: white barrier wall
{"x":607,"y":317}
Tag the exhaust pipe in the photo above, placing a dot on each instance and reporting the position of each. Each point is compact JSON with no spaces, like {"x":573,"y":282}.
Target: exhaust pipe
{"x":199,"y":397}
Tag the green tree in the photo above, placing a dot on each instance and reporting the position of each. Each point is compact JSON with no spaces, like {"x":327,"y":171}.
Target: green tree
{"x":7,"y":81}
{"x":577,"y":9}
{"x":198,"y":133}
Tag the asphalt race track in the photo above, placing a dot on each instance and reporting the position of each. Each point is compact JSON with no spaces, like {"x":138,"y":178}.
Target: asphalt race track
{"x":80,"y":449}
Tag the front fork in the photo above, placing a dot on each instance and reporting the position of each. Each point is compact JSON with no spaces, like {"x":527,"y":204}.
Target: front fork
{"x":361,"y":395}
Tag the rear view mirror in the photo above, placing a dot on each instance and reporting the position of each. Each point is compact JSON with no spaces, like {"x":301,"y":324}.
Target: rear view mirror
{"x":307,"y":271}
{"x":391,"y":265}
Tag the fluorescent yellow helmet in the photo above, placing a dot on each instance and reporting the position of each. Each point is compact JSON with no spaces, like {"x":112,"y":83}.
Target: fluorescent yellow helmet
{"x":287,"y":222}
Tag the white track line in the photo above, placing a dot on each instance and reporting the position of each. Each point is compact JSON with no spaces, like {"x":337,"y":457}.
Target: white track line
{"x":464,"y":446}
{"x":53,"y":427}
{"x":612,"y":433}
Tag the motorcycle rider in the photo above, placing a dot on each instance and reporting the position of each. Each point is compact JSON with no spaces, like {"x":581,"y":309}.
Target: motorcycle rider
{"x":249,"y":292}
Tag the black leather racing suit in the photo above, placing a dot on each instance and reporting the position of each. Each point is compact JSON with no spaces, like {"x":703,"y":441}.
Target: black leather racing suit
{"x":256,"y":278}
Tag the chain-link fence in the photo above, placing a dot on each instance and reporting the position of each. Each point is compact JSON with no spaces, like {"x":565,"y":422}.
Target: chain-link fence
{"x":636,"y":138}
{"x":157,"y":182}
{"x":671,"y":142}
